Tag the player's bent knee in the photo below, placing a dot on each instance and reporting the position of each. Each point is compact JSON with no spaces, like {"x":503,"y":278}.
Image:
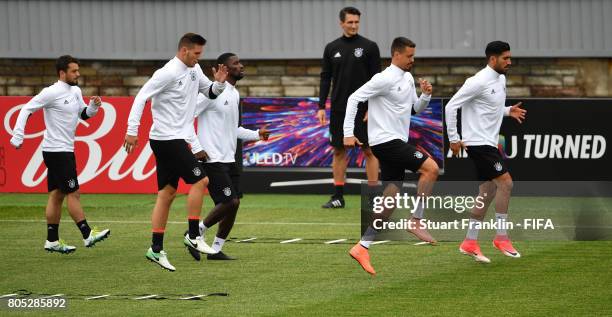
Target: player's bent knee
{"x":430,"y":168}
{"x":504,"y":182}
{"x":234,"y":204}
{"x":74,"y":195}
{"x":339,"y":152}
{"x":57,"y":194}
{"x":167,"y":193}
{"x":368,"y":153}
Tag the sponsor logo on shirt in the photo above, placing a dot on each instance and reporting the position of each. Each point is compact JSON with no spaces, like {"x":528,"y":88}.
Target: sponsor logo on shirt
{"x":180,"y":83}
{"x":66,"y":101}
{"x":337,"y":55}
{"x":492,"y":91}
{"x":358,"y":52}
{"x":193,"y":75}
{"x":226,"y":103}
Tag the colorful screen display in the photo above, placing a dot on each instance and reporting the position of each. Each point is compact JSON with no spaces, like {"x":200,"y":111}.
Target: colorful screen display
{"x":298,"y":140}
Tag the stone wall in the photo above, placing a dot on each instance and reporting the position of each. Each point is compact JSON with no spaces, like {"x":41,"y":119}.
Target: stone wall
{"x":529,"y":77}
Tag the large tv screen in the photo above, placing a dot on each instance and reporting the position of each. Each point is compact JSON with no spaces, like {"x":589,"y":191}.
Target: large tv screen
{"x":298,"y":140}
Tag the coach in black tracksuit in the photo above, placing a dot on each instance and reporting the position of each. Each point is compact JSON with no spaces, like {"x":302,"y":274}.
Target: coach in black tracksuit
{"x":349,"y":61}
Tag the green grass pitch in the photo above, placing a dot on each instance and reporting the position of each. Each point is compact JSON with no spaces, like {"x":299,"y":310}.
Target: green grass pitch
{"x":303,"y":278}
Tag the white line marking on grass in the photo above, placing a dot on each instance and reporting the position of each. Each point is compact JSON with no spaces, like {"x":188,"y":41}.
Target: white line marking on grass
{"x":97,"y":297}
{"x":335,"y":241}
{"x":246,"y":240}
{"x":291,"y":240}
{"x":8,"y":295}
{"x":380,"y":242}
{"x":315,"y":182}
{"x":321,"y":181}
{"x":145,"y":297}
{"x":193,"y":297}
{"x":421,"y":243}
{"x":50,"y":296}
{"x":182,"y":222}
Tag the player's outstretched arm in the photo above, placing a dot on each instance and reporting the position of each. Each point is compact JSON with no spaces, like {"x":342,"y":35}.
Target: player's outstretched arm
{"x":38,"y":102}
{"x":152,"y":87}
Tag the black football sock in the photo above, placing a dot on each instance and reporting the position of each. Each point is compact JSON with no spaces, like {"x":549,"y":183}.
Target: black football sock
{"x":52,"y":232}
{"x":339,"y":191}
{"x":84,"y":227}
{"x":194,"y":228}
{"x":158,"y":242}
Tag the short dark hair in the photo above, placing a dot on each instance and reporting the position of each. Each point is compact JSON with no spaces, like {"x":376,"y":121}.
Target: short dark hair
{"x":348,"y":10}
{"x":191,"y":39}
{"x":63,"y":62}
{"x":400,"y":43}
{"x":496,"y":48}
{"x":223,"y":58}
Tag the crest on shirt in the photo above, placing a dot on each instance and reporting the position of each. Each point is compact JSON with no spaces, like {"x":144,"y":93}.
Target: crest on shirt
{"x":71,"y":183}
{"x":498,"y":166}
{"x":197,"y":171}
{"x":358,"y":52}
{"x":227,"y":191}
{"x":193,"y":75}
{"x":418,"y":155}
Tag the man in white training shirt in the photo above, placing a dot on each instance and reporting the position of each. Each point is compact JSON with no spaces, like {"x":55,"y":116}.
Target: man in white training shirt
{"x":174,"y":90}
{"x":62,"y":105}
{"x":392,"y":100}
{"x":482,"y":102}
{"x":218,"y":131}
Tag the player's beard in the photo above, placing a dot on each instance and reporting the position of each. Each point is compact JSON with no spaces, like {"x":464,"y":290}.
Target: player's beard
{"x":502,"y":71}
{"x":73,"y":82}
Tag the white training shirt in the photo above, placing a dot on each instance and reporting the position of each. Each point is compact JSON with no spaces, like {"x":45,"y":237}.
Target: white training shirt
{"x":62,"y":106}
{"x":174,"y":89}
{"x":392,"y":96}
{"x":482,"y":101}
{"x":218,"y":128}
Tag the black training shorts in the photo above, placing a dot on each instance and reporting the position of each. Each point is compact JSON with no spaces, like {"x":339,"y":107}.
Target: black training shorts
{"x":174,"y":160}
{"x":223,"y":181}
{"x":336,"y":127}
{"x":488,"y":160}
{"x":61,"y":171}
{"x":397,"y":156}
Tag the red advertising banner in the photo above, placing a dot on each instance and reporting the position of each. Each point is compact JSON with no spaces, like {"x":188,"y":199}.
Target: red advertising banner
{"x":103,"y":166}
